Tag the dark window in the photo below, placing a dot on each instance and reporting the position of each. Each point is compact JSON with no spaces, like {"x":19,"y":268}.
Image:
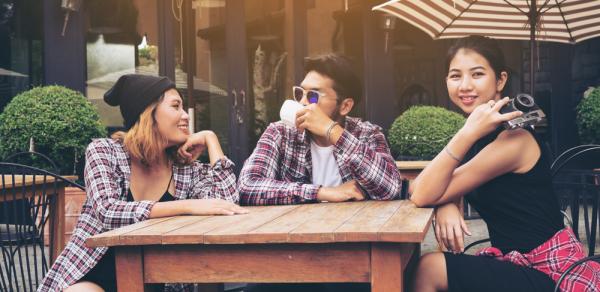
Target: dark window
{"x":20,"y":47}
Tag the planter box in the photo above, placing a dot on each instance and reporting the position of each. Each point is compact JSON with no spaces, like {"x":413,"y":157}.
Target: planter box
{"x":409,"y":170}
{"x":74,"y":199}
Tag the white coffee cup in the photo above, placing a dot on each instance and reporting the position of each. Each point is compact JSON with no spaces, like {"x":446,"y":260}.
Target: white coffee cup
{"x":288,"y":112}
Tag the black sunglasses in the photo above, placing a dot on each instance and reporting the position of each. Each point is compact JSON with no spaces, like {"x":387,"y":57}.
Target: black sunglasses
{"x":312,"y":95}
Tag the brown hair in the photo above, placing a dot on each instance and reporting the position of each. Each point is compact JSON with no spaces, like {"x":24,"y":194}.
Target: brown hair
{"x":143,"y":141}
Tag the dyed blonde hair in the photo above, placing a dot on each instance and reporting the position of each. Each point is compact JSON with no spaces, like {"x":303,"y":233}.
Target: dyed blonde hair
{"x":143,"y":141}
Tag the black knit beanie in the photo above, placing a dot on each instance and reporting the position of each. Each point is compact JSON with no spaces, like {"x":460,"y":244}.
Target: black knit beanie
{"x":134,"y":92}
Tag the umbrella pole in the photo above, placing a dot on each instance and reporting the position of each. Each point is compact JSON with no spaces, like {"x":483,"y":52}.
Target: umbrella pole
{"x":532,"y":45}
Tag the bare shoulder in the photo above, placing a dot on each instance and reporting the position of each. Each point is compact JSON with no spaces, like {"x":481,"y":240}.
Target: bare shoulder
{"x":522,"y":146}
{"x":516,"y":138}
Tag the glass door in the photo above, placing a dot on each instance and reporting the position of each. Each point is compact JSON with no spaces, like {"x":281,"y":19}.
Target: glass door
{"x":212,"y":90}
{"x":234,"y":63}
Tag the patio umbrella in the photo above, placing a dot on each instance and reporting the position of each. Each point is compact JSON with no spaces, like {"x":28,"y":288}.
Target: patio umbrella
{"x":565,"y":21}
{"x":6,"y":72}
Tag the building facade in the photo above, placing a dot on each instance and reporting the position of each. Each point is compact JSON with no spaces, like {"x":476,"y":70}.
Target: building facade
{"x":235,"y":61}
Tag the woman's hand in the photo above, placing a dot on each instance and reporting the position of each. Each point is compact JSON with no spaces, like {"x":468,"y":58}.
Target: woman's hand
{"x":213,"y":207}
{"x":486,"y":118}
{"x":450,"y":228}
{"x":195,"y":145}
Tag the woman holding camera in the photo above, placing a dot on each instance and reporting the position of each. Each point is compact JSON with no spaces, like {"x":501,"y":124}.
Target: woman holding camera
{"x":150,"y":171}
{"x":505,"y":175}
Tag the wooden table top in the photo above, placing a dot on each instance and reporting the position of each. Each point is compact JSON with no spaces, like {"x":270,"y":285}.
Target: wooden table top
{"x":7,"y":180}
{"x":367,"y":221}
{"x":411,"y":165}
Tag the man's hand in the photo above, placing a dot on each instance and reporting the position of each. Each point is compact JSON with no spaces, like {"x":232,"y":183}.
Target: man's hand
{"x":348,"y":191}
{"x":313,"y":119}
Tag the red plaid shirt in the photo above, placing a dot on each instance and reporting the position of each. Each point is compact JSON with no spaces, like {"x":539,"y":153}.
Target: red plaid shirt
{"x":279,"y":171}
{"x":553,"y":257}
{"x":107,"y":174}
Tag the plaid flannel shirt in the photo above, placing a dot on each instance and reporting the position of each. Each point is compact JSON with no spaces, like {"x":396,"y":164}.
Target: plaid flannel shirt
{"x":552,"y":258}
{"x":107,"y":174}
{"x":279,"y":171}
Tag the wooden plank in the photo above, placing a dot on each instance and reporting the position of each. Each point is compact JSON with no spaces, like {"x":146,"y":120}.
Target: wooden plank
{"x":257,"y":263}
{"x":129,"y":269}
{"x":113,"y":237}
{"x":408,"y":224}
{"x":237,"y":233}
{"x":195,"y":233}
{"x":277,"y":230}
{"x":411,"y":165}
{"x":57,"y":215}
{"x":153,"y":234}
{"x":365,"y":225}
{"x":387,"y":266}
{"x":29,"y":180}
{"x":320,"y":227}
{"x":13,"y":192}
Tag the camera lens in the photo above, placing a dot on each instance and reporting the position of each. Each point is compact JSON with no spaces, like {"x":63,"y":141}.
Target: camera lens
{"x":524,"y":102}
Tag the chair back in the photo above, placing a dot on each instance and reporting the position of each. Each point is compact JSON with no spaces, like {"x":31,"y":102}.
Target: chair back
{"x":33,"y":158}
{"x":28,"y":198}
{"x":570,"y":152}
{"x":576,"y":182}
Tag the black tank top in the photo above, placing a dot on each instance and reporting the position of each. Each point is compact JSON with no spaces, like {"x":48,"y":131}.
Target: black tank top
{"x":166,"y":197}
{"x":521,"y":210}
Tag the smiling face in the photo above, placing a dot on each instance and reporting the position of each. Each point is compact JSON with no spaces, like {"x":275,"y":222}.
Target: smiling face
{"x":471,"y":80}
{"x":171,"y":119}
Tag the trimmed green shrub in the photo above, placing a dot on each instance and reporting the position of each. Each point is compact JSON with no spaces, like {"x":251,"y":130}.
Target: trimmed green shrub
{"x":588,"y":117}
{"x":423,"y":131}
{"x":61,"y":121}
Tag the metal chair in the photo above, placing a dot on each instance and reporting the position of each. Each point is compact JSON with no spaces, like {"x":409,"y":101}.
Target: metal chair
{"x":24,"y":259}
{"x":569,"y":152}
{"x":29,"y":158}
{"x":576,"y":182}
{"x":595,"y":258}
{"x":33,"y":158}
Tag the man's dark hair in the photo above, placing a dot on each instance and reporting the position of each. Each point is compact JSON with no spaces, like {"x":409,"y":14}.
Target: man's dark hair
{"x":339,"y":68}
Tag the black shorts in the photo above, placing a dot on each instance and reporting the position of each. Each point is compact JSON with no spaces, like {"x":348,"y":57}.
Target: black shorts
{"x":479,"y":273}
{"x":104,"y":273}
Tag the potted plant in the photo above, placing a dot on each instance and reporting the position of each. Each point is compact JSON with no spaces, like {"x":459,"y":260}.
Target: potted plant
{"x":61,"y":122}
{"x":422,"y":131}
{"x":588,"y":117}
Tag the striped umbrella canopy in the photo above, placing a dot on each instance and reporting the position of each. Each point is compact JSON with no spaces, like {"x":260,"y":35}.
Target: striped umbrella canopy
{"x":566,"y":21}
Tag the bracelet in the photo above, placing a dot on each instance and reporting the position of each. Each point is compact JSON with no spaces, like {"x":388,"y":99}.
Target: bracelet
{"x":451,"y":155}
{"x":328,"y":133}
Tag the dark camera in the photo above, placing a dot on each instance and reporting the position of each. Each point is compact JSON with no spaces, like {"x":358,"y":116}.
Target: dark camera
{"x":532,"y":114}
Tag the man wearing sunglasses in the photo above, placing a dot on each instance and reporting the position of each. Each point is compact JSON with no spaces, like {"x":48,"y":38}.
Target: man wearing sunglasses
{"x":327,"y":156}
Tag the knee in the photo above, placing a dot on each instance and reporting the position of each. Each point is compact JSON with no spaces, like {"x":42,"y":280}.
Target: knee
{"x":84,"y":286}
{"x":432,"y":266}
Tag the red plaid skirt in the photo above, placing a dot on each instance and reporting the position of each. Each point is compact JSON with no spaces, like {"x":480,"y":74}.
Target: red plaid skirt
{"x":553,"y":257}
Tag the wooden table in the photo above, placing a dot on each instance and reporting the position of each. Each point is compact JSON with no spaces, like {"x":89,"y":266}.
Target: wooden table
{"x":370,"y":241}
{"x":34,"y":185}
{"x":410,"y":169}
